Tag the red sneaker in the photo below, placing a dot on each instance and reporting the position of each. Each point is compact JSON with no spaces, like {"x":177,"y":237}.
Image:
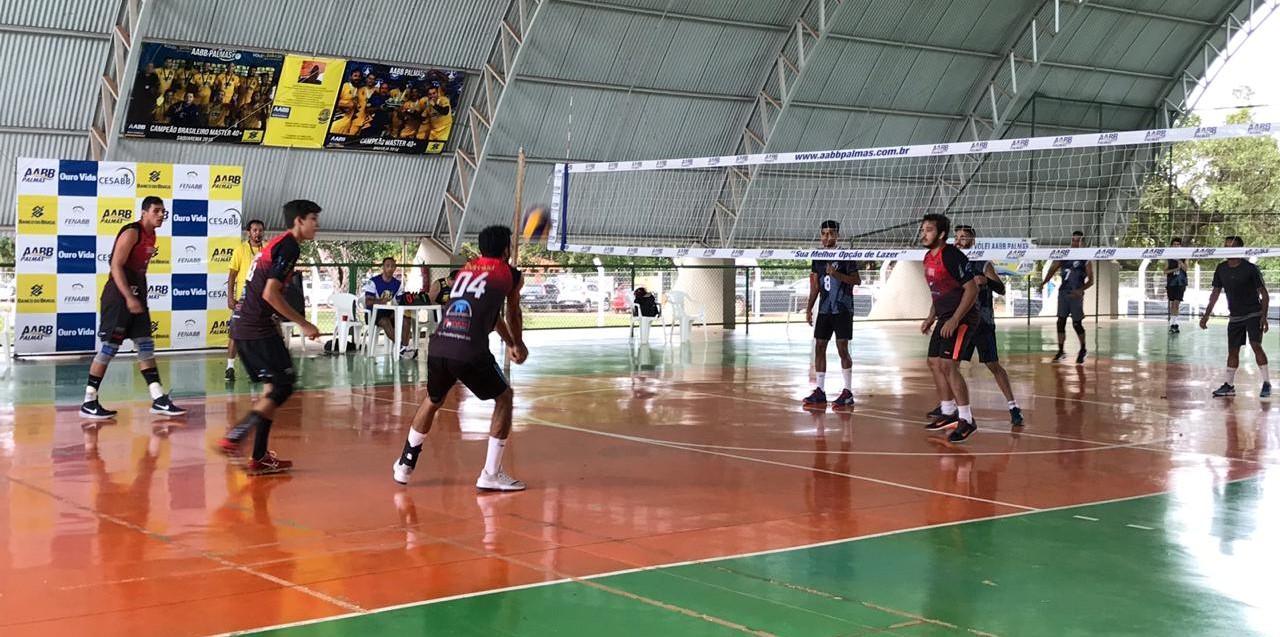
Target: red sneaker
{"x":229,"y":447}
{"x":268,"y":464}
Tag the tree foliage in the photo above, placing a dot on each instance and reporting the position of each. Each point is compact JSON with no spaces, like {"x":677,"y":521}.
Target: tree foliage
{"x":1206,"y":190}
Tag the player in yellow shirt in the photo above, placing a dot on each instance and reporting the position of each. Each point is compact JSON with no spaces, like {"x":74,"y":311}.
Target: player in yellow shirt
{"x":441,"y":113}
{"x":345,"y":113}
{"x":241,"y":263}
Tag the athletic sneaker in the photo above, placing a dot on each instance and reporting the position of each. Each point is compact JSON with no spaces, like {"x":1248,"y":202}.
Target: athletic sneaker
{"x":165,"y":407}
{"x":93,"y":411}
{"x":818,"y":397}
{"x":1060,"y":356}
{"x":401,"y":472}
{"x":1266,"y":390}
{"x":963,"y":430}
{"x":267,"y":465}
{"x":1015,"y":417}
{"x":408,"y":353}
{"x":1173,"y":329}
{"x":1225,"y":390}
{"x":936,"y":412}
{"x":229,"y":447}
{"x":499,"y":481}
{"x":1080,"y":356}
{"x":230,"y":375}
{"x":845,"y":399}
{"x":945,"y":421}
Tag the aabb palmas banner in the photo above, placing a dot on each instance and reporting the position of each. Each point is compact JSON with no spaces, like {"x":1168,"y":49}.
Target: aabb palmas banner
{"x":69,"y":213}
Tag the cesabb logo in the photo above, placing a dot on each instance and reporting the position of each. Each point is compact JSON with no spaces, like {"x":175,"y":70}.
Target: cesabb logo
{"x":38,"y":175}
{"x":35,"y":333}
{"x":116,"y":215}
{"x":228,"y":217}
{"x":1058,"y":254}
{"x":218,"y":294}
{"x":36,"y":254}
{"x":121,"y":177}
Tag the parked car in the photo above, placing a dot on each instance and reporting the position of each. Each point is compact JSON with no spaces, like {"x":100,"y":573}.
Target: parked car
{"x":536,"y":296}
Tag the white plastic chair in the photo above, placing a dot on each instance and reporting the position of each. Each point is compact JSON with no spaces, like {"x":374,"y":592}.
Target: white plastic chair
{"x":638,"y":321}
{"x":684,"y":313}
{"x":348,"y":320}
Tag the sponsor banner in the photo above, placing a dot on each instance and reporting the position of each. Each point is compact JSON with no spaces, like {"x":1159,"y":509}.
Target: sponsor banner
{"x":188,"y":329}
{"x":303,"y":105}
{"x":1094,"y":140}
{"x":1020,"y":255}
{"x":396,"y":109}
{"x":69,"y":214}
{"x":202,"y":94}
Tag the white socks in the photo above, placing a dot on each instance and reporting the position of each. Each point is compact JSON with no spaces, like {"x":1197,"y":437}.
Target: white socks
{"x":231,"y":363}
{"x":1013,"y":404}
{"x":1266,"y":373}
{"x":90,"y":394}
{"x":416,"y":439}
{"x":1231,"y":376}
{"x":822,"y":380}
{"x":948,"y":407}
{"x":966,"y":413}
{"x":493,"y":459}
{"x":848,"y":378}
{"x":156,"y":389}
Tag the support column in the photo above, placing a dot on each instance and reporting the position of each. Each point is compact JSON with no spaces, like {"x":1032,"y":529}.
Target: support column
{"x":905,"y":295}
{"x":1104,"y":299}
{"x":705,"y":287}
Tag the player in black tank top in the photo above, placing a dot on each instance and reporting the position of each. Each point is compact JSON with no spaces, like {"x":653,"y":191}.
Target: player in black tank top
{"x":124,"y":313}
{"x":1077,"y":276}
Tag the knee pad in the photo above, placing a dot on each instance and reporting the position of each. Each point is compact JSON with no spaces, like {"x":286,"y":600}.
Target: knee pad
{"x":108,"y":351}
{"x":1078,"y":326}
{"x":146,"y":348}
{"x":281,"y":389}
{"x":1062,"y":323}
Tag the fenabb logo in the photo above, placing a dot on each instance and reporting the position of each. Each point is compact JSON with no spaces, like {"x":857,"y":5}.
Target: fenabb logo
{"x":78,"y":217}
{"x":190,"y":254}
{"x":77,"y":295}
{"x":190,"y":329}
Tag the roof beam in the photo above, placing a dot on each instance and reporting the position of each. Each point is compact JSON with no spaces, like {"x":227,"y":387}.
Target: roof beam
{"x":65,"y":33}
{"x":1185,"y":89}
{"x":1150,"y":14}
{"x":607,"y":86}
{"x":119,"y":72}
{"x":691,"y":17}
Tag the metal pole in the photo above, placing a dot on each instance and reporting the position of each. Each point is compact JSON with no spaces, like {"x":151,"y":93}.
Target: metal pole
{"x":519,"y":198}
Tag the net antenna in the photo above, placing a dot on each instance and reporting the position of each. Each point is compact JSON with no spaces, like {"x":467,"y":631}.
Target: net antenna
{"x":1025,"y":197}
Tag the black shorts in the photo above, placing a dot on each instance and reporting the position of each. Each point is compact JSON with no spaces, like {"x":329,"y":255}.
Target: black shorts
{"x":1072,"y":306}
{"x":839,"y":324}
{"x":984,"y":342}
{"x":1175,"y":293}
{"x":1237,"y":331}
{"x":959,"y":347}
{"x":482,"y":376}
{"x":267,"y":360}
{"x":116,"y":319}
{"x":383,"y":314}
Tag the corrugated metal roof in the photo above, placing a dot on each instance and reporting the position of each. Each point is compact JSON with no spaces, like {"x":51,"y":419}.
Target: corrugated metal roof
{"x":578,"y":43}
{"x":91,"y":16}
{"x":968,"y":24}
{"x":608,"y":124}
{"x":445,"y":33}
{"x":50,"y":81}
{"x":34,"y":146}
{"x":777,"y":13}
{"x":360,"y":192}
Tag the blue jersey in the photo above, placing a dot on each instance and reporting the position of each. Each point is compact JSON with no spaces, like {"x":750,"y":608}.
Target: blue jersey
{"x":1072,"y":276}
{"x":834,"y":296}
{"x":377,"y":286}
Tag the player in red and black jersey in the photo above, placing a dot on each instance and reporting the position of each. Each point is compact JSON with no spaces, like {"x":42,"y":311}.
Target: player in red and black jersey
{"x":125,"y":314}
{"x":954,"y":292}
{"x":459,"y":351}
{"x":256,"y":330}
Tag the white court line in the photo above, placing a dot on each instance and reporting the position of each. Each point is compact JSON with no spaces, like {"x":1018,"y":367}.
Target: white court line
{"x":708,"y":560}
